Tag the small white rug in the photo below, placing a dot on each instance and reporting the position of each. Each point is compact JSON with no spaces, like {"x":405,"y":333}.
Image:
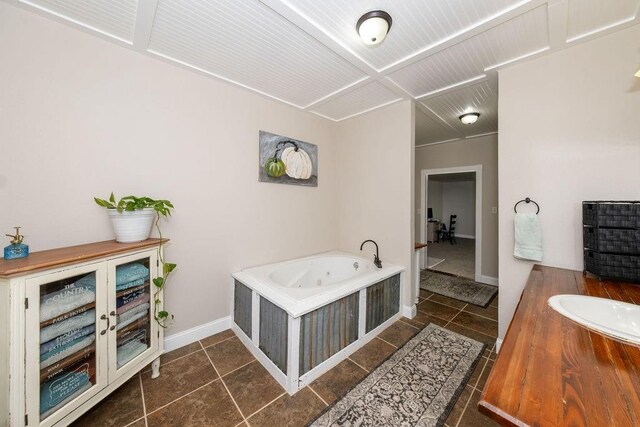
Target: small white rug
{"x":432,"y":262}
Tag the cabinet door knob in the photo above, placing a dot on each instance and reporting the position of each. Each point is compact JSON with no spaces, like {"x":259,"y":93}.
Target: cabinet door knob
{"x":104,"y":317}
{"x":115,"y":321}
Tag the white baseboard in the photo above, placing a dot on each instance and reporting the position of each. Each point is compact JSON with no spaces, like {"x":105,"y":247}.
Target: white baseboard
{"x":183,"y":338}
{"x":465,"y":236}
{"x":498,"y":344}
{"x":488,"y":280}
{"x":409,"y":311}
{"x":194,"y":334}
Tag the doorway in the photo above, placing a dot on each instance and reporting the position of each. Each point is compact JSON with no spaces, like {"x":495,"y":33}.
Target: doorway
{"x":446,"y":192}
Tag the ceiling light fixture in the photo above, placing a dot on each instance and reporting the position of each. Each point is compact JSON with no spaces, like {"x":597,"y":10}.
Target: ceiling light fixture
{"x":469,"y":118}
{"x":373,"y":27}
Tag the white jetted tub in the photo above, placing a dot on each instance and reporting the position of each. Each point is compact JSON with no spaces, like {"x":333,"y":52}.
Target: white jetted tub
{"x":302,"y":317}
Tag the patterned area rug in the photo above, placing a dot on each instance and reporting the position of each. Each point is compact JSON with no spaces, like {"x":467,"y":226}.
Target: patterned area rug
{"x":417,"y":386}
{"x":458,"y":288}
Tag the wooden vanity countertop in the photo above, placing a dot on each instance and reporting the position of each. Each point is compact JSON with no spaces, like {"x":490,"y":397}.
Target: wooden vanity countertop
{"x":43,"y":260}
{"x":552,"y":372}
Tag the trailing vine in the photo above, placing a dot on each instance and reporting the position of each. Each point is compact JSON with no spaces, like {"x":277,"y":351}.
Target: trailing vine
{"x":163,"y":209}
{"x":162,"y":317}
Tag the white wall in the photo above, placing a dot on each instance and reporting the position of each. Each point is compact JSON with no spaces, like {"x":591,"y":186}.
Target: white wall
{"x":459,"y":198}
{"x":475,"y":151}
{"x":569,"y":131}
{"x":434,"y":200}
{"x":81,"y":117}
{"x":375,"y":174}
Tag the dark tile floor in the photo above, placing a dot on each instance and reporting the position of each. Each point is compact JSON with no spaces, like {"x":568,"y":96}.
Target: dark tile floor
{"x":217,"y":382}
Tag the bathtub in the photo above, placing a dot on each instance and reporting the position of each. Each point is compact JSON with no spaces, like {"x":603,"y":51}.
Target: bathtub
{"x":302,"y":317}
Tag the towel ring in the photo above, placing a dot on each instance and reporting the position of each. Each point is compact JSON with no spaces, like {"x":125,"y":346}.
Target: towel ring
{"x":526,"y":200}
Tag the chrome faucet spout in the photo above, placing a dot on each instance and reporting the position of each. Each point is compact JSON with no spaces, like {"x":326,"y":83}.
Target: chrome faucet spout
{"x":376,"y":259}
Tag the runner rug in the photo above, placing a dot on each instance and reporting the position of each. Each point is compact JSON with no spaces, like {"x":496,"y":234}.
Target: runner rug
{"x":417,"y":386}
{"x":459,"y":288}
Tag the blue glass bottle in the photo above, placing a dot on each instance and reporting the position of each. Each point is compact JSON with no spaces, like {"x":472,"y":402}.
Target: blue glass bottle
{"x":16,"y":249}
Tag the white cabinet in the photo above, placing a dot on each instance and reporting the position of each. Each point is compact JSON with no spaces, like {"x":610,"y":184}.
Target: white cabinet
{"x":80,"y":323}
{"x":432,"y":231}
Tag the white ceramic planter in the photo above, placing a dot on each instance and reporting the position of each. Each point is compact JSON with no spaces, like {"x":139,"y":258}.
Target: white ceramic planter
{"x":133,"y":226}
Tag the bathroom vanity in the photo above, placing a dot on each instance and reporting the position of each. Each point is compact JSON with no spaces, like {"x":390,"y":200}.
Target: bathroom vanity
{"x":551,"y":372}
{"x":77,"y":323}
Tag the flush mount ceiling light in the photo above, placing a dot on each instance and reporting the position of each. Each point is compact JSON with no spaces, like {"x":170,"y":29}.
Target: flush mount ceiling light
{"x":469,"y":118}
{"x":373,"y":27}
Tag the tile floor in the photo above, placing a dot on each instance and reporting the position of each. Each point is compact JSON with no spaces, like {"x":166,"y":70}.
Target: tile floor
{"x":459,"y":259}
{"x":217,"y":382}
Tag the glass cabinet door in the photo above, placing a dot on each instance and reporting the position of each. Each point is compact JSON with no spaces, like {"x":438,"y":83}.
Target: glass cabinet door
{"x":66,"y":343}
{"x":133,"y":333}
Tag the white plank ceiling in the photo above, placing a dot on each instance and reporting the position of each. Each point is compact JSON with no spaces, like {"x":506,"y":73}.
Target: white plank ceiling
{"x":443,"y":54}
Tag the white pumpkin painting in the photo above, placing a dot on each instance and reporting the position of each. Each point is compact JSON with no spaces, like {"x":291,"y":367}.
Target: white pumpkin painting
{"x":286,"y":160}
{"x":297,"y":163}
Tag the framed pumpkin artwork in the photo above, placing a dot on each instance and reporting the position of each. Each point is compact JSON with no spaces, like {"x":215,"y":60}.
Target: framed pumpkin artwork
{"x":285,"y":160}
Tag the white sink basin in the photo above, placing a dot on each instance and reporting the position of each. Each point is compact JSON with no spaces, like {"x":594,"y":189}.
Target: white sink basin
{"x":615,"y":319}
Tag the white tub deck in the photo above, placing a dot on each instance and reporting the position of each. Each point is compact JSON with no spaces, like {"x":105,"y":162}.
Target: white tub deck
{"x":300,"y":300}
{"x":302,"y":286}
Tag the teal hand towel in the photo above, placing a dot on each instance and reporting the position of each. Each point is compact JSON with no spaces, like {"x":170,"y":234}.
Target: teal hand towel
{"x":60,"y":353}
{"x":132,"y":315}
{"x":72,"y":296}
{"x":66,"y":338}
{"x":74,"y":322}
{"x":128,"y":351}
{"x":528,"y":237}
{"x":131,"y":284}
{"x":61,"y":388}
{"x":129,"y":272}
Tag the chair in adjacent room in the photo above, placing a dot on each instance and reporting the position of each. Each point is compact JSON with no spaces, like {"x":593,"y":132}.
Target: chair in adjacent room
{"x":449,"y":234}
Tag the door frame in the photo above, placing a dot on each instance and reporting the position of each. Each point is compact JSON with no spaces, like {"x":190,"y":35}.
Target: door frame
{"x":424,"y":182}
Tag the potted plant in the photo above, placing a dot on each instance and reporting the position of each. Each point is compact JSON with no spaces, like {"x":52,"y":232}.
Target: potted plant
{"x":132,"y":218}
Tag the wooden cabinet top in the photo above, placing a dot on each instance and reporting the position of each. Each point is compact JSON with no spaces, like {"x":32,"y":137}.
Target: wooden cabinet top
{"x":552,"y":372}
{"x":43,"y":260}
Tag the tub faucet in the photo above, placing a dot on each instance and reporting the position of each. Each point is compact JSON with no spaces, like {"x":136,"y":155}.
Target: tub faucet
{"x":376,"y":258}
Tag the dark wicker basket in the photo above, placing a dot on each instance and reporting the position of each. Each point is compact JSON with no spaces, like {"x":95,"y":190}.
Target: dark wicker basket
{"x":612,"y":266}
{"x":591,"y":262}
{"x":611,"y":236}
{"x":612,"y":240}
{"x":611,"y":214}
